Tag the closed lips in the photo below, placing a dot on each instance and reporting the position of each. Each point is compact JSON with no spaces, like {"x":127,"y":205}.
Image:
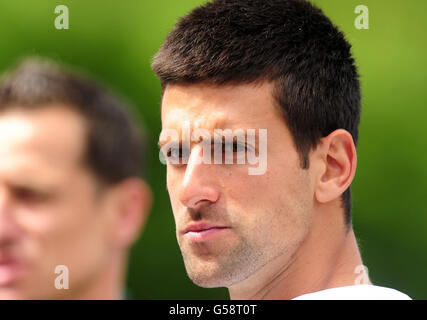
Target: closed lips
{"x":202,"y":227}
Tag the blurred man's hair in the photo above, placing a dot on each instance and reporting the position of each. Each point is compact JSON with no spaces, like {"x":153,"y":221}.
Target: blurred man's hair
{"x":114,"y":146}
{"x":288,"y":42}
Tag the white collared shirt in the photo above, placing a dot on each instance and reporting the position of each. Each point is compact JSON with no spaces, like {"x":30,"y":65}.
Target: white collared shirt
{"x":355,"y":292}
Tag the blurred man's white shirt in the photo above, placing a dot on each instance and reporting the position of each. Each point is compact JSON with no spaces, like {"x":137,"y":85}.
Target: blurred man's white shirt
{"x":355,"y":292}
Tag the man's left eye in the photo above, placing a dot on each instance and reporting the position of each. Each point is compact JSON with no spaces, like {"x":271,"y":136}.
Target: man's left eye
{"x":29,"y":195}
{"x":234,"y":147}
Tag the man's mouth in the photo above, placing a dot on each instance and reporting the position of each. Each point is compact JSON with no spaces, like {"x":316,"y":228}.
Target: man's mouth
{"x":203,"y":231}
{"x":10,"y":270}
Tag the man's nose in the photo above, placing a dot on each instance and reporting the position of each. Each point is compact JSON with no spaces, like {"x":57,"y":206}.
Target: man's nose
{"x":8,"y":228}
{"x":199,"y":186}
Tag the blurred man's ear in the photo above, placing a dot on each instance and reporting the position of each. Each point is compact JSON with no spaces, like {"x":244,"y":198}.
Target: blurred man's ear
{"x":338,"y":165}
{"x":131,"y":202}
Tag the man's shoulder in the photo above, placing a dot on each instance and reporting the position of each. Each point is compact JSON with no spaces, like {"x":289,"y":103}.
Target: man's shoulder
{"x":356,"y":292}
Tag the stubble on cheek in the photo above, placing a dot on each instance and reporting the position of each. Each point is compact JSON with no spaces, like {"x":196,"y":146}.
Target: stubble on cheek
{"x":229,"y":262}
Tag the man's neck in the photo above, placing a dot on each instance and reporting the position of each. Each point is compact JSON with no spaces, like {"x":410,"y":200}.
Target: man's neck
{"x":108,"y":284}
{"x":327,"y":258}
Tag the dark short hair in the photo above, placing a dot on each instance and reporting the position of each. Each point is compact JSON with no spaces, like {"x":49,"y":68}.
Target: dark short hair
{"x":114,"y":146}
{"x":288,"y":42}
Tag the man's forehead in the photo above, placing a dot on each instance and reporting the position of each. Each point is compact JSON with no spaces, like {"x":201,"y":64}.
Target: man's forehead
{"x":210,"y":107}
{"x":54,"y":136}
{"x":197,"y":119}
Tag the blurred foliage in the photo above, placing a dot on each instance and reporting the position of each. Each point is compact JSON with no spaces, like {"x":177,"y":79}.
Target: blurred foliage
{"x":115,"y":40}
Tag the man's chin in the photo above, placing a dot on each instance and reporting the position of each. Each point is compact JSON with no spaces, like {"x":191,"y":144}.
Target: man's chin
{"x":208,"y":282}
{"x":13,"y":294}
{"x":28,"y":292}
{"x":209,"y":275}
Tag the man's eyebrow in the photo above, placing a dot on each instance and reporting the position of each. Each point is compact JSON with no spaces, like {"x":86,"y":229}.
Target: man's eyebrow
{"x":160,"y":143}
{"x":32,"y":184}
{"x":220,"y":123}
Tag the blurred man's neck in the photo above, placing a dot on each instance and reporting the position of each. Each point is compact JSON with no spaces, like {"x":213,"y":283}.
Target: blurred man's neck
{"x":109,"y":284}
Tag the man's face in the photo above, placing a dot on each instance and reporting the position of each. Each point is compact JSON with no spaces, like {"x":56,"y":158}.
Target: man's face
{"x":253,"y":219}
{"x":50,"y":207}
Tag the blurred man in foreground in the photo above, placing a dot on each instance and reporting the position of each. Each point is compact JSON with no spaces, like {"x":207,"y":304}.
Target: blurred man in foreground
{"x":71,"y":198}
{"x":278,"y":67}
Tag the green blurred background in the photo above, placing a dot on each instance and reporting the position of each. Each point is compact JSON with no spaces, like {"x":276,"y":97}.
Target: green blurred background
{"x":114,"y":41}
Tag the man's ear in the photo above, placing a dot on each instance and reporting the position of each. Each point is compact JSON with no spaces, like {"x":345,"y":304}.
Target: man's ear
{"x":338,"y":154}
{"x":132,"y":203}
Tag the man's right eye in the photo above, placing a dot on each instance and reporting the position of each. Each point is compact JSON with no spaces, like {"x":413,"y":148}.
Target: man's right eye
{"x":29,"y":195}
{"x":178,"y":154}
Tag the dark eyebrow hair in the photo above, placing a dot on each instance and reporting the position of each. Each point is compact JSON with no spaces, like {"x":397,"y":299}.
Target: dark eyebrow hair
{"x":160,"y":144}
{"x":224,"y":135}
